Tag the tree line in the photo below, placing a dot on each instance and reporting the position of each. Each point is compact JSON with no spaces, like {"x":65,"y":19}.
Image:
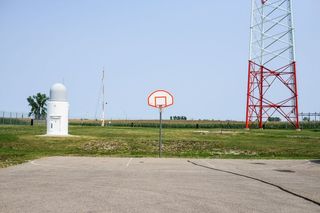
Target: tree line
{"x":175,"y":118}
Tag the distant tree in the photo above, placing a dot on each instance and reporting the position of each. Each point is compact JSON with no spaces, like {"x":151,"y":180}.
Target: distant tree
{"x":38,"y":104}
{"x":306,"y":119}
{"x":177,"y":118}
{"x":274,"y":119}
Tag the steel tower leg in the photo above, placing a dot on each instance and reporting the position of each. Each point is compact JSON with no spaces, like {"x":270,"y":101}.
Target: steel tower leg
{"x":272,"y":80}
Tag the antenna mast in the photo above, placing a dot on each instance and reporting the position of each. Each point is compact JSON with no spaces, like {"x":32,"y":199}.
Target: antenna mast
{"x":103,"y":100}
{"x":272,"y":83}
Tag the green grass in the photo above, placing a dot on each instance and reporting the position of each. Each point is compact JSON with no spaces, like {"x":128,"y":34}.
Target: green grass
{"x":22,"y":143}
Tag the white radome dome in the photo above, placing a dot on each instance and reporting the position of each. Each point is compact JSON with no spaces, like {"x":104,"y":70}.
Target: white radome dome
{"x":58,"y":92}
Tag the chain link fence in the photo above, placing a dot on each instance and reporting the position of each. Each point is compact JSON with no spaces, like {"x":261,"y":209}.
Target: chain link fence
{"x":16,"y":118}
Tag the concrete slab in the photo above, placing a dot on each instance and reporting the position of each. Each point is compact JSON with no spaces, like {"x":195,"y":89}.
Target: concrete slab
{"x":85,"y":184}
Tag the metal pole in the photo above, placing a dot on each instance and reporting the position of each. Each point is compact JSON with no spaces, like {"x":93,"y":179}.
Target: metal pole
{"x":309,"y":116}
{"x":160,"y":133}
{"x":261,"y":97}
{"x":102,"y":124}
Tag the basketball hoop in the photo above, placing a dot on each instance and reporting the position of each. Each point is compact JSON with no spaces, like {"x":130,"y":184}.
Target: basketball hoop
{"x":160,"y":99}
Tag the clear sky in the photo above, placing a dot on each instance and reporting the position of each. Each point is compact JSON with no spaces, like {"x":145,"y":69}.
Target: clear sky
{"x":198,"y":50}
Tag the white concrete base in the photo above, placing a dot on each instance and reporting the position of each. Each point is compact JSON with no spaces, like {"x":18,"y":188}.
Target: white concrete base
{"x":58,"y":136}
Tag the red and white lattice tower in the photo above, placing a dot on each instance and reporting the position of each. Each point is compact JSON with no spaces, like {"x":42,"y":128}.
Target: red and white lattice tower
{"x":272,"y":82}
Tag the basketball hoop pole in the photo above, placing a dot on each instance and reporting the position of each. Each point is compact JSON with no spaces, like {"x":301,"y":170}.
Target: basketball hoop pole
{"x":160,"y":99}
{"x":160,"y":132}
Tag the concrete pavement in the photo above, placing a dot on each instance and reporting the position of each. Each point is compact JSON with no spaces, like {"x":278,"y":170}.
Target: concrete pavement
{"x":89,"y":184}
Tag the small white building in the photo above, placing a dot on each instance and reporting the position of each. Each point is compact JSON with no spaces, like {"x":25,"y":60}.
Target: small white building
{"x":58,"y":111}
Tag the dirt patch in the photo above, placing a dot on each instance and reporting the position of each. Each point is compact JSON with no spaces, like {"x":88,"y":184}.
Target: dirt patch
{"x":107,"y":146}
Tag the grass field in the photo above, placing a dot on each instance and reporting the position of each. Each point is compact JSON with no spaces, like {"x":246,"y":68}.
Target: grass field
{"x":21,"y":143}
{"x":194,"y":124}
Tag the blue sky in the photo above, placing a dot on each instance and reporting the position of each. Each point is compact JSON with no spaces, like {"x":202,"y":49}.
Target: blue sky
{"x":197,"y":50}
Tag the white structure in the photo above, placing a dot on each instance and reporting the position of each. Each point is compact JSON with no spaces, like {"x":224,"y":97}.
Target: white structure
{"x":58,"y":110}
